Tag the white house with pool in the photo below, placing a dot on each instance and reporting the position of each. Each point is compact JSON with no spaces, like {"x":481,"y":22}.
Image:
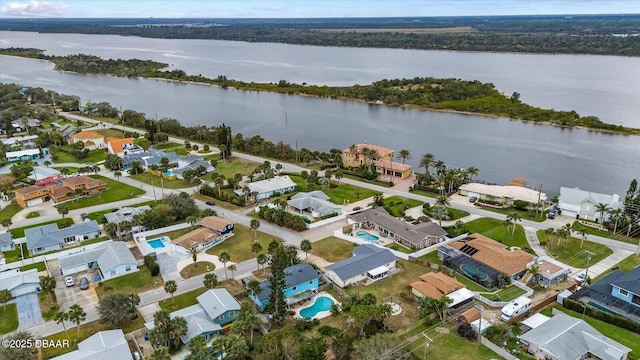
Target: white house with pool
{"x":368,"y":263}
{"x":113,"y":259}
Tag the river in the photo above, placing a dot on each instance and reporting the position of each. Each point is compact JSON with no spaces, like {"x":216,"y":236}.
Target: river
{"x":548,"y":156}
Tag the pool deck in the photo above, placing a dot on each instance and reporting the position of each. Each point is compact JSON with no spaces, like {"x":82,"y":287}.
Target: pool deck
{"x":321,"y":314}
{"x":382,"y":241}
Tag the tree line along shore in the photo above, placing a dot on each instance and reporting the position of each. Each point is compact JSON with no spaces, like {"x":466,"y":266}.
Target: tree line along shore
{"x":425,"y":93}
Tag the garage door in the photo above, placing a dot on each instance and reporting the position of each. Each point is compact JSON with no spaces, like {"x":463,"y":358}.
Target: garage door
{"x":75,"y":269}
{"x":34,"y":202}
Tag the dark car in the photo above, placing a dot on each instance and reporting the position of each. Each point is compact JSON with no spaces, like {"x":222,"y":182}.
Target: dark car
{"x":210,"y":203}
{"x":551,"y":215}
{"x":84,"y":283}
{"x":473,"y":199}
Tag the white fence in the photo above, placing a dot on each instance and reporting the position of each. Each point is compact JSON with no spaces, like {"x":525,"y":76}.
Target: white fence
{"x":497,"y":349}
{"x":326,"y":221}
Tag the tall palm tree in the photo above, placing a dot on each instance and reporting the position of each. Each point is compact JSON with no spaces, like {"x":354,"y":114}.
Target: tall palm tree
{"x":441,"y":213}
{"x":6,"y":222}
{"x":48,"y":284}
{"x":305,"y":245}
{"x":256,"y":247}
{"x":198,"y":347}
{"x":225,"y":257}
{"x":232,"y":268}
{"x":615,"y":214}
{"x":583,"y":236}
{"x":179,"y":327}
{"x":254,"y":287}
{"x":602,"y":208}
{"x":77,"y":315}
{"x":63,"y":210}
{"x":513,"y":218}
{"x":60,"y":317}
{"x":472,"y":171}
{"x":442,"y":200}
{"x":426,"y":161}
{"x":254,"y":224}
{"x":210,"y":281}
{"x":404,"y":154}
{"x":5,"y":296}
{"x":160,"y":353}
{"x":261,"y":260}
{"x":171,"y":287}
{"x":194,"y":255}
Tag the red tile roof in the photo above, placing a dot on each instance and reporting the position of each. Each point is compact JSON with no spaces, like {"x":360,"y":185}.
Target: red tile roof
{"x":382,"y":151}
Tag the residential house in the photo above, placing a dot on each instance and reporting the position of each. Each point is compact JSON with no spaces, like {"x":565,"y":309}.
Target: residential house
{"x":549,"y":272}
{"x":369,"y":262}
{"x":20,"y":125}
{"x":506,"y":195}
{"x":393,"y":169}
{"x":483,"y":260}
{"x":48,"y":237}
{"x":31,"y":195}
{"x":67,"y":130}
{"x":315,"y":202}
{"x":103,"y":345}
{"x":213,"y":230}
{"x":113,"y":259}
{"x":6,"y":242}
{"x":27,"y":140}
{"x":581,"y":204}
{"x":352,"y":156}
{"x":301,"y":284}
{"x":27,"y":154}
{"x":90,"y":139}
{"x":87,"y":184}
{"x":215,"y":311}
{"x":618,"y":292}
{"x":122,"y":147}
{"x":191,"y":165}
{"x":435,"y":285}
{"x":567,"y":338}
{"x":270,"y":187}
{"x":127,"y":214}
{"x":45,"y":175}
{"x":412,"y":236}
{"x":20,"y":282}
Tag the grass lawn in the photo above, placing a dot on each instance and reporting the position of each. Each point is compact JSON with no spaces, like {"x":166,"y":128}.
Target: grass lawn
{"x":71,"y":169}
{"x":457,"y":214}
{"x":450,"y":346}
{"x":93,"y":157}
{"x":239,"y":245}
{"x":134,"y":283}
{"x":497,"y":231}
{"x":507,"y":294}
{"x":9,"y":211}
{"x":623,"y":336}
{"x":340,"y":194}
{"x":626,"y":265}
{"x":175,"y":233}
{"x":19,"y":232}
{"x":576,"y":226}
{"x":399,"y":247}
{"x":222,"y":204}
{"x":526,"y":215}
{"x":183,"y":300}
{"x":168,"y":145}
{"x":432,"y":257}
{"x":470,"y":284}
{"x":361,"y":179}
{"x":332,"y":249}
{"x":396,"y":205}
{"x":33,"y":214}
{"x":39,"y":266}
{"x":116,"y":191}
{"x":8,"y":318}
{"x":571,"y":253}
{"x":198,"y":268}
{"x":147,"y":178}
{"x":47,"y":308}
{"x":86,"y":330}
{"x":235,"y":165}
{"x":425,"y":193}
{"x":14,"y":255}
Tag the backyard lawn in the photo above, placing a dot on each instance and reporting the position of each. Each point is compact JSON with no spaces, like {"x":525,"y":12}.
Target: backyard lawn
{"x":496,"y":230}
{"x":183,"y":300}
{"x":9,"y":211}
{"x":38,"y":266}
{"x":168,"y":145}
{"x":332,"y":249}
{"x":116,"y":191}
{"x":398,"y":247}
{"x":432,"y":257}
{"x":571,"y":253}
{"x":507,"y":294}
{"x":8,"y":318}
{"x":134,"y":283}
{"x":148,"y":178}
{"x":396,"y":205}
{"x":239,"y":245}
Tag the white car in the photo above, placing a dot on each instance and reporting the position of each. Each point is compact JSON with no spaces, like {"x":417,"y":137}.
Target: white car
{"x":581,"y":278}
{"x":69,"y":281}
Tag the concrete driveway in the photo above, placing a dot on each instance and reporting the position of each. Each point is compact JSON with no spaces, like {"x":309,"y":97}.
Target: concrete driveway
{"x":28,"y":310}
{"x":169,"y":266}
{"x":68,"y":296}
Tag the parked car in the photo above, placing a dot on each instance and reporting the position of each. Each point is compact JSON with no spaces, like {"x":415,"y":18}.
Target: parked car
{"x":473,"y":199}
{"x":581,"y":278}
{"x":84,"y":283}
{"x":69,"y":281}
{"x":210,"y":203}
{"x":551,"y":215}
{"x":136,"y":355}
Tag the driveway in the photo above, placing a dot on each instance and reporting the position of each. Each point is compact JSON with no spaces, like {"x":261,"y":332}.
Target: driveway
{"x":68,"y":296}
{"x":28,"y":310}
{"x":169,"y":266}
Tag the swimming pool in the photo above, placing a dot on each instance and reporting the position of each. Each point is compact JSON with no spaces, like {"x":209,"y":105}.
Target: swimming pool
{"x":168,"y":173}
{"x":156,"y":243}
{"x":322,"y":303}
{"x":472,"y":271}
{"x":365,"y":235}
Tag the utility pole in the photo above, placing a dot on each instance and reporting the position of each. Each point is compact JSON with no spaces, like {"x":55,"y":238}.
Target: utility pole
{"x":586,"y":273}
{"x":426,"y":344}
{"x":480,"y":308}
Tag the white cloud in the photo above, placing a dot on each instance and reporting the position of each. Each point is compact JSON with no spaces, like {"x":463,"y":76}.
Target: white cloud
{"x":34,"y":8}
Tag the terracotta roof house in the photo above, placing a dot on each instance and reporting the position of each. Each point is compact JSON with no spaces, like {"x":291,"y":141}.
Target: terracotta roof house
{"x":89,"y":185}
{"x":418,"y":236}
{"x":213,"y":230}
{"x":31,"y":195}
{"x":482,"y":259}
{"x":90,"y":139}
{"x":122,"y":147}
{"x":435,"y":285}
{"x":369,"y":262}
{"x":353,"y":157}
{"x":392,"y":168}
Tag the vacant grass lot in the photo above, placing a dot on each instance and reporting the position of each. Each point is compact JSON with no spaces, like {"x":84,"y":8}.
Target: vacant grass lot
{"x":9,"y":211}
{"x":396,"y":205}
{"x":148,"y":178}
{"x":134,"y":283}
{"x":332,"y":249}
{"x":449,"y":346}
{"x":340,"y":194}
{"x":8,"y":318}
{"x":183,"y":300}
{"x":168,"y":145}
{"x":497,"y":231}
{"x":230,"y":167}
{"x":571,"y":253}
{"x":116,"y":191}
{"x":93,"y":157}
{"x":239,"y":245}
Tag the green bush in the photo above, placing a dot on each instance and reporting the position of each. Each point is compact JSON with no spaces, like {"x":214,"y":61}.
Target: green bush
{"x":601,"y":315}
{"x":155,"y":269}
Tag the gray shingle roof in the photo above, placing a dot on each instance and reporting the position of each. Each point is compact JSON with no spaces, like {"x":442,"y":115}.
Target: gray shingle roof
{"x":295,"y":275}
{"x":126,"y":213}
{"x":316,"y":201}
{"x":108,"y":256}
{"x":217,"y":302}
{"x":104,"y":345}
{"x":49,"y":234}
{"x":198,"y":322}
{"x":5,"y":239}
{"x":365,"y":257}
{"x":412,"y":233}
{"x":569,"y":338}
{"x":629,"y":281}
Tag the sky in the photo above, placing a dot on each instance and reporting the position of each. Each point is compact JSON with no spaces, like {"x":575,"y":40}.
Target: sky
{"x":305,"y":8}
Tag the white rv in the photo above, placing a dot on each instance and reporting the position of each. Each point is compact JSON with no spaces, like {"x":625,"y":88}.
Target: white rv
{"x":518,"y":306}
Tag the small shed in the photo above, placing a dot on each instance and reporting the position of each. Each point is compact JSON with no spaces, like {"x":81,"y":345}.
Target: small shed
{"x":480,"y":325}
{"x":469,"y":316}
{"x":561,"y":296}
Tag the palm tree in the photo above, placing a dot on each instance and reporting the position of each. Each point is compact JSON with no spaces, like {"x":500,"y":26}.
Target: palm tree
{"x":219,"y":181}
{"x":48,"y":284}
{"x":305,"y":246}
{"x":5,"y":296}
{"x":254,"y":224}
{"x":63,"y":210}
{"x":77,"y":315}
{"x":534,"y":270}
{"x":6,"y":222}
{"x":161,"y":353}
{"x":179,"y":327}
{"x":602,"y":208}
{"x":426,"y":161}
{"x":225,"y":257}
{"x":124,"y":227}
{"x":210,"y":280}
{"x":583,"y":236}
{"x":261,"y":260}
{"x":404,"y":154}
{"x":171,"y":287}
{"x":472,"y":171}
{"x":441,"y":213}
{"x":60,"y":317}
{"x":338,"y":175}
{"x":256,"y":247}
{"x":232,"y":268}
{"x":117,"y":174}
{"x":252,"y":322}
{"x":254,"y":287}
{"x":194,"y":255}
{"x":513,"y":218}
{"x":615,"y":214}
{"x":198,"y":347}
{"x":442,"y":200}
{"x":236,"y":347}
{"x":223,"y":151}
{"x":47,"y":163}
{"x":192,"y":220}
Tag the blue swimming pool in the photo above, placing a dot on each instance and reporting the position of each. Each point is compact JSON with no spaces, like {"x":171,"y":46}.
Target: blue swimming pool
{"x":322,"y":303}
{"x":365,"y":235}
{"x":156,"y":243}
{"x":168,"y":173}
{"x":472,"y":271}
